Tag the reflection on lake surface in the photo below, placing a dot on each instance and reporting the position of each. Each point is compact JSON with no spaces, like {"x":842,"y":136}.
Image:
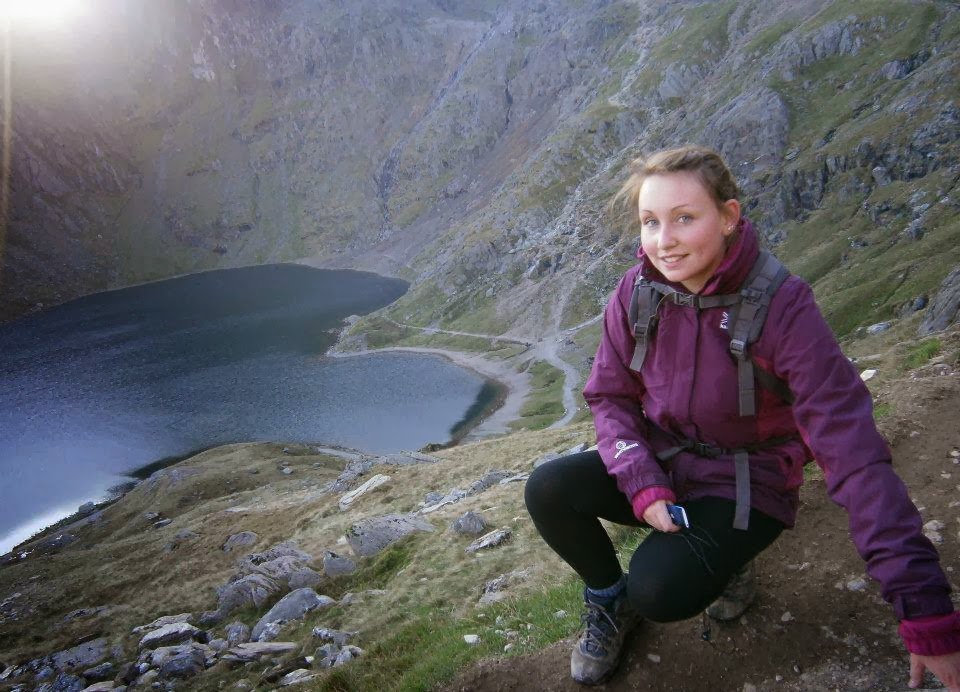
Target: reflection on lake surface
{"x":96,"y":388}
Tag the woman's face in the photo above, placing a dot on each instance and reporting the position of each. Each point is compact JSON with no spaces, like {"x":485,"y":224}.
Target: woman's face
{"x":684,"y":232}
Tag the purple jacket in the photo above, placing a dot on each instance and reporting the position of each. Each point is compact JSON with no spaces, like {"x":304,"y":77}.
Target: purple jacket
{"x":688,"y":388}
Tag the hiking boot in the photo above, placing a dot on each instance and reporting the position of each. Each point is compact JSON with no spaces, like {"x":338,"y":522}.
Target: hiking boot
{"x":736,"y":598}
{"x":597,"y":652}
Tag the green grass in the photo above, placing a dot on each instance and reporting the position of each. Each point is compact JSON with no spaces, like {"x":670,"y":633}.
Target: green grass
{"x":544,"y":405}
{"x":922,"y":353}
{"x":882,"y":410}
{"x":762,"y":42}
{"x":427,"y":648}
{"x":703,"y":34}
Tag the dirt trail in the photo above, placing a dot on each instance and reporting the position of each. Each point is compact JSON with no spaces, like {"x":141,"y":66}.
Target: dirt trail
{"x":808,"y":630}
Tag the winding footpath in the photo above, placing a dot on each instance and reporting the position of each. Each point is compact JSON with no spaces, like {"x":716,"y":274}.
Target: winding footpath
{"x":517,"y":383}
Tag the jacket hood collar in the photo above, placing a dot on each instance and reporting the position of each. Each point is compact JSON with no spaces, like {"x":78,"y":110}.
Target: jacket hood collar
{"x":731,"y":273}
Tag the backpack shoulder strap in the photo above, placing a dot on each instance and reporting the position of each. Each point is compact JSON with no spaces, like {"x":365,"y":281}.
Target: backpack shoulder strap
{"x":766,"y":276}
{"x":643,"y":317}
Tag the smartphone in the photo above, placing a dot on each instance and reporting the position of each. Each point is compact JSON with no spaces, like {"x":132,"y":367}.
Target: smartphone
{"x":679,"y":516}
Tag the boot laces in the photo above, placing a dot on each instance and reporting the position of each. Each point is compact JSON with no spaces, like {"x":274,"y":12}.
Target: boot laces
{"x":600,"y":628}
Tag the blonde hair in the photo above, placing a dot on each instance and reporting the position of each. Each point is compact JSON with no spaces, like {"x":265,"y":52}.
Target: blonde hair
{"x":705,"y":163}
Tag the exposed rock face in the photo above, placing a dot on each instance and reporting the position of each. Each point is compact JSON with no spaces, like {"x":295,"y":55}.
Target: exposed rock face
{"x":370,"y":536}
{"x":944,"y":309}
{"x":359,"y":134}
{"x":293,"y":606}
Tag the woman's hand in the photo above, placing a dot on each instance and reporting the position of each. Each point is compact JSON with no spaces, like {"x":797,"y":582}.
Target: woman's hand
{"x":656,"y":515}
{"x":946,"y":668}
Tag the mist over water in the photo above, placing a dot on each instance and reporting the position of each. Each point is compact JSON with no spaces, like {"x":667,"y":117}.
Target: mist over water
{"x":96,"y":388}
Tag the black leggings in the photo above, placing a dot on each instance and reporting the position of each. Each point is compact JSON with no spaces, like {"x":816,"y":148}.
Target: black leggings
{"x":673,"y":576}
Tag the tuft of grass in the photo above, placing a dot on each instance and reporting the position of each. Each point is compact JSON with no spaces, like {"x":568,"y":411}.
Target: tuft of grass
{"x":922,"y":353}
{"x":882,"y":410}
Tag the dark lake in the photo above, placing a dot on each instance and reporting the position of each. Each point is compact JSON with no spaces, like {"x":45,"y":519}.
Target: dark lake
{"x":98,"y":387}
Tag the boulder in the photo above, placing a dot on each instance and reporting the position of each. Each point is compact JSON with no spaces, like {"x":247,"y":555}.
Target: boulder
{"x":162,"y":622}
{"x":83,"y":656}
{"x":296,"y":677}
{"x":490,"y":540}
{"x":944,"y":309}
{"x":270,"y":632}
{"x":187,"y":664}
{"x":336,"y":565}
{"x":303,"y":577}
{"x":239,"y":540}
{"x":252,"y":651}
{"x":337,"y":637}
{"x":470,"y":524}
{"x":370,"y":536}
{"x":237,"y":633}
{"x":293,"y":606}
{"x":104,"y":686}
{"x":159,"y":657}
{"x":104,"y":671}
{"x":489,"y":479}
{"x":347,"y":500}
{"x":249,"y":590}
{"x":173,"y":633}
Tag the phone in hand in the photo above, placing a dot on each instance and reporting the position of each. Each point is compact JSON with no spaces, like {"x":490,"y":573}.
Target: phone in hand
{"x":678,"y":515}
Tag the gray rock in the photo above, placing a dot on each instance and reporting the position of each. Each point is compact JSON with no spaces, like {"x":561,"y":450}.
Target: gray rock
{"x":239,"y":540}
{"x":345,"y":655}
{"x":269,"y":633}
{"x":82,"y":656}
{"x":278,"y":563}
{"x":160,"y":656}
{"x":249,"y":590}
{"x":151,"y":516}
{"x":163,"y":522}
{"x":914,"y":230}
{"x":549,"y":456}
{"x":432,"y":498}
{"x":470,"y":524}
{"x":370,"y":536}
{"x":878,"y":328}
{"x":162,"y":622}
{"x":489,"y":479}
{"x":218,"y":644}
{"x":65,"y":682}
{"x":103,"y":671}
{"x":186,"y":665}
{"x":338,"y":637}
{"x":296,"y":677}
{"x":303,"y":577}
{"x":490,"y":540}
{"x":237,"y":633}
{"x":252,"y":651}
{"x":336,"y":565}
{"x":173,"y":633}
{"x":881,"y":176}
{"x":104,"y":686}
{"x":86,"y":509}
{"x":944,"y":309}
{"x":293,"y":606}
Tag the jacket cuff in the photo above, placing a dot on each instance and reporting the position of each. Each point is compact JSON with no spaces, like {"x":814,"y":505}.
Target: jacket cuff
{"x":648,"y":496}
{"x":933,"y":635}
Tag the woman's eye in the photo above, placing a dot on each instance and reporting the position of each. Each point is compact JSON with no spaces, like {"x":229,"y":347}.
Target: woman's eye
{"x":685,"y":218}
{"x":649,"y":222}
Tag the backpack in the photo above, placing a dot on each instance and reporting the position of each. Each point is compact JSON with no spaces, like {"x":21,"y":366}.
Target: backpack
{"x":748,"y":312}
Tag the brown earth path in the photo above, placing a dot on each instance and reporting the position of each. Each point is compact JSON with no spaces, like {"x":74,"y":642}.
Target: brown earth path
{"x":807,"y":630}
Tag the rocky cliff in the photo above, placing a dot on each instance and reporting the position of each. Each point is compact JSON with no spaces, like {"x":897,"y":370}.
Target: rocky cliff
{"x":471,"y":147}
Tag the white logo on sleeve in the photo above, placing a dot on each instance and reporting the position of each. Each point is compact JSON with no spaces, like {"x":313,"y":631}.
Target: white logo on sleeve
{"x":725,"y":320}
{"x":622,"y":447}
